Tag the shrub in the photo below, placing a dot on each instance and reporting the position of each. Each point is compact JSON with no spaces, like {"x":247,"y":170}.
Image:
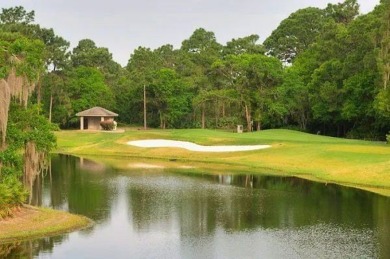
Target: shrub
{"x":228,"y":123}
{"x":388,"y":138}
{"x":12,"y":194}
{"x":54,"y":127}
{"x":107,"y":125}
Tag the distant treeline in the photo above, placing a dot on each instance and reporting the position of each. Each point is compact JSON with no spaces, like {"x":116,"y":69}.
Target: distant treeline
{"x":323,"y":71}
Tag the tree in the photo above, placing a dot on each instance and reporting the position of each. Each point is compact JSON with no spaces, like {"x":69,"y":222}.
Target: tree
{"x":265,"y":73}
{"x":26,"y":136}
{"x":244,"y":45}
{"x":202,"y":49}
{"x":57,"y":102}
{"x":361,"y":77}
{"x":142,"y":65}
{"x":344,"y":12}
{"x":293,"y":97}
{"x":253,"y":77}
{"x":87,"y":54}
{"x":18,"y":20}
{"x":201,"y":41}
{"x":86,"y":88}
{"x":166,"y":56}
{"x":57,"y":55}
{"x":55,"y":47}
{"x":170,"y":97}
{"x":22,"y":62}
{"x":339,"y":70}
{"x":16,"y":15}
{"x":56,"y":59}
{"x":326,"y":97}
{"x":295,"y":34}
{"x":383,"y":42}
{"x":32,"y":133}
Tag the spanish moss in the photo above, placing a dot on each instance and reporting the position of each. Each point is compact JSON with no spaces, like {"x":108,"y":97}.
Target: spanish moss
{"x":5,"y":98}
{"x":34,"y":164}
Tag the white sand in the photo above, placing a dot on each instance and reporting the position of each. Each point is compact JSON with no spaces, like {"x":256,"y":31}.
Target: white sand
{"x":155,"y":166}
{"x":144,"y":165}
{"x":192,"y":146}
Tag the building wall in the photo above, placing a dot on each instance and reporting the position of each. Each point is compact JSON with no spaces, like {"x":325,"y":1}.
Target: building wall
{"x":93,"y":123}
{"x":108,"y":118}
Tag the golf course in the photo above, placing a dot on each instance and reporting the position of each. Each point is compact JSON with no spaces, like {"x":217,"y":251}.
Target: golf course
{"x":356,"y":163}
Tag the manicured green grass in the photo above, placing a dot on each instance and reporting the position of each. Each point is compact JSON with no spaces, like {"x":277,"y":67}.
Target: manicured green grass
{"x":351,"y":162}
{"x":33,"y":222}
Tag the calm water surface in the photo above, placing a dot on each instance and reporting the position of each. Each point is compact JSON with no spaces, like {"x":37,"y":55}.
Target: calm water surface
{"x":161,"y":214}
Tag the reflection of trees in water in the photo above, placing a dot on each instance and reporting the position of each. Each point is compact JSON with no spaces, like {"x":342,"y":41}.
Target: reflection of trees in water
{"x":29,"y":249}
{"x":268,"y":202}
{"x":200,"y":204}
{"x":56,"y":182}
{"x":67,"y":185}
{"x":159,"y":202}
{"x":295,"y":202}
{"x":76,"y":186}
{"x":196,"y":207}
{"x":381,"y":215}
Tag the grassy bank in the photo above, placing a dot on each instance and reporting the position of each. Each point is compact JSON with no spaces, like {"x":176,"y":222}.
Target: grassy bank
{"x":32,"y":222}
{"x":357,"y":163}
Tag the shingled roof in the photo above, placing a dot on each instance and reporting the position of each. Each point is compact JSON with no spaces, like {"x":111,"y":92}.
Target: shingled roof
{"x":97,"y":112}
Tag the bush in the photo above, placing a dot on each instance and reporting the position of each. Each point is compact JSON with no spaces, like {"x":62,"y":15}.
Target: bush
{"x":228,"y":123}
{"x":12,"y":194}
{"x":54,"y":127}
{"x":107,"y":125}
{"x":388,"y":138}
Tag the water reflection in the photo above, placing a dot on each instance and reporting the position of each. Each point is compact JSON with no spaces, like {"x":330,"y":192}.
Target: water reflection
{"x":307,"y":217}
{"x":75,"y":185}
{"x":295,"y":202}
{"x":183,"y":215}
{"x":31,"y":248}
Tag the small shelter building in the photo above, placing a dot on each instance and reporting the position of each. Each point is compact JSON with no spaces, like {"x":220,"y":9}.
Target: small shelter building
{"x":90,"y":119}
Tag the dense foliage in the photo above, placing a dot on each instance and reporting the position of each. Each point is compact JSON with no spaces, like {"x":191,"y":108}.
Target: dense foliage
{"x":26,"y":136}
{"x":323,"y":71}
{"x":329,"y":75}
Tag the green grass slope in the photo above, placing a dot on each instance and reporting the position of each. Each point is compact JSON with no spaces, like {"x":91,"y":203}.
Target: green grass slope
{"x":352,"y":162}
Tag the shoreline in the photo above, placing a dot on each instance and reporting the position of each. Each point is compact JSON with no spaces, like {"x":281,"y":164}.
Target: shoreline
{"x":357,"y":163}
{"x":29,"y":222}
{"x":147,"y":164}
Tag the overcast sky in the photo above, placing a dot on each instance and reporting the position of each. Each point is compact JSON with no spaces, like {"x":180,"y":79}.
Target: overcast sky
{"x":123,"y":25}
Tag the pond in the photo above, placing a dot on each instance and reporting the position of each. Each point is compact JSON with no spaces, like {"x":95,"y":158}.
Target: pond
{"x":164,"y":214}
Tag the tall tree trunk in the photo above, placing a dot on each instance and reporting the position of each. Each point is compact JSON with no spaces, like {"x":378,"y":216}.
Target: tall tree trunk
{"x":248,"y":118}
{"x":203,"y":116}
{"x":50,"y":106}
{"x":216,"y":114}
{"x":303,"y":121}
{"x":385,"y":47}
{"x":145,"y":124}
{"x":39,"y":96}
{"x":161,"y":121}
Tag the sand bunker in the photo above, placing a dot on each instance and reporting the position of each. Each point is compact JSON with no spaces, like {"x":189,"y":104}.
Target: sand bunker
{"x":192,"y":146}
{"x":145,"y":166}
